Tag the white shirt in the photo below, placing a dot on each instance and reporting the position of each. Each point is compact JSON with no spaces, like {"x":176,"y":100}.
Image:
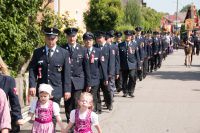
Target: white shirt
{"x":53,"y":50}
{"x":56,"y":108}
{"x":90,"y":50}
{"x":94,"y":117}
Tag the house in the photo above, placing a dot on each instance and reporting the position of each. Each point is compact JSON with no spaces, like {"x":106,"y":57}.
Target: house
{"x":75,"y":8}
{"x":173,"y":22}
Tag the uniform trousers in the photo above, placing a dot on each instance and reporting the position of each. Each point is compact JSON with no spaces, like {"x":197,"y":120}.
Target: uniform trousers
{"x":118,"y":82}
{"x":111,"y":86}
{"x":72,"y":102}
{"x":160,"y":56}
{"x":145,"y":67}
{"x":94,"y":92}
{"x":106,"y":93}
{"x":129,"y":81}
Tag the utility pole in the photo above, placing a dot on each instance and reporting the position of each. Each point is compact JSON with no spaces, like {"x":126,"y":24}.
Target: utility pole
{"x":176,"y":16}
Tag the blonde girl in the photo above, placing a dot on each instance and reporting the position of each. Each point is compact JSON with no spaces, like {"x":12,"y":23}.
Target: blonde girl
{"x":83,"y":117}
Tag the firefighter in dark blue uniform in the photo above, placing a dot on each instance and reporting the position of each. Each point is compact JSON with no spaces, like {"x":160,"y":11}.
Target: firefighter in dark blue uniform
{"x":129,"y":62}
{"x":149,"y":42}
{"x":107,"y":57}
{"x":155,"y":51}
{"x":8,"y":84}
{"x":118,"y":81}
{"x":160,"y":53}
{"x":80,"y":74}
{"x":94,"y":56}
{"x":50,"y":64}
{"x":114,"y":63}
{"x":140,"y":42}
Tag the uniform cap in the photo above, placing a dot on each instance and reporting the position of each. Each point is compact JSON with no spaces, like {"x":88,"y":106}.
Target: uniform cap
{"x":149,"y":32}
{"x":51,"y":31}
{"x":110,"y":33}
{"x":88,"y":35}
{"x":46,"y":88}
{"x":118,"y":34}
{"x":138,"y":28}
{"x":100,"y":34}
{"x":143,"y":32}
{"x":71,"y":31}
{"x":155,"y":32}
{"x":128,"y":32}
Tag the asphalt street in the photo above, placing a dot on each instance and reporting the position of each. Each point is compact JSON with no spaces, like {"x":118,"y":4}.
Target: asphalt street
{"x":167,"y":101}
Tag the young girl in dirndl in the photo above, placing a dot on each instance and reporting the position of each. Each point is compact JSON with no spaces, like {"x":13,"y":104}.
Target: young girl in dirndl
{"x":83,"y":117}
{"x":44,"y":109}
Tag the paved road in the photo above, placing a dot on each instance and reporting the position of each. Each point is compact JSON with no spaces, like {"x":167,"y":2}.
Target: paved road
{"x":167,"y":101}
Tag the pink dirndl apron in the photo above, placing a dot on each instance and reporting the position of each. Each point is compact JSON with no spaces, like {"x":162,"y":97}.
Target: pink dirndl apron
{"x":82,"y":125}
{"x":43,"y":124}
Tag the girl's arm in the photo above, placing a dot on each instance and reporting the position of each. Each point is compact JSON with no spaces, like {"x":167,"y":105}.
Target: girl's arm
{"x":69,"y":126}
{"x":98,"y":128}
{"x":59,"y":121}
{"x":4,"y":130}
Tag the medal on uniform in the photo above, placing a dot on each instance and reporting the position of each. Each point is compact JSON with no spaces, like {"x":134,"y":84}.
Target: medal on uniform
{"x":113,"y":52}
{"x":39,"y":72}
{"x":92,"y":58}
{"x":87,"y":56}
{"x":69,"y":60}
{"x":102,"y":58}
{"x":130,"y":50}
{"x":59,"y":68}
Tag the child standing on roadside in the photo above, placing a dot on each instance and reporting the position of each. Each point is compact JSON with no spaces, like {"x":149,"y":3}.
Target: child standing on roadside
{"x":83,"y":117}
{"x":44,"y":109}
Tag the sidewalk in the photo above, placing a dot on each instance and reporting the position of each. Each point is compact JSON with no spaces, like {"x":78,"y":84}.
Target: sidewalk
{"x":168,"y":100}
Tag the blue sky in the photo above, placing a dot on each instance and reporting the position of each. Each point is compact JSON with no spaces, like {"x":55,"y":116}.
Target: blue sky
{"x":170,"y":5}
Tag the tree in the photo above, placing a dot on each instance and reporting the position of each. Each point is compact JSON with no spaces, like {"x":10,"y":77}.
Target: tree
{"x":19,"y":32}
{"x":103,"y":15}
{"x":150,"y":19}
{"x":132,"y":13}
{"x":185,"y":8}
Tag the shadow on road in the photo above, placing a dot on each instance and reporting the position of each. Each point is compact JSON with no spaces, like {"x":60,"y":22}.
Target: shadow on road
{"x":177,"y":75}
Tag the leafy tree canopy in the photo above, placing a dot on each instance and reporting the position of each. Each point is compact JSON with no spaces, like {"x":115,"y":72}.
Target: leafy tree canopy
{"x":132,"y":13}
{"x":21,"y":23}
{"x":103,"y":14}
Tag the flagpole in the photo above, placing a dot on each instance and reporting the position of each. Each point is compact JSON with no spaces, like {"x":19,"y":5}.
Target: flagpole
{"x":176,"y":16}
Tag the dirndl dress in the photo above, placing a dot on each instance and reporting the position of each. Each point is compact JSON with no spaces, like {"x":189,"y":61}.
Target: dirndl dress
{"x":43,"y":123}
{"x":82,"y":125}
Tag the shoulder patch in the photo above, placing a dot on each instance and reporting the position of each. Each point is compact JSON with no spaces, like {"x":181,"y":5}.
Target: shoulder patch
{"x":15,"y":91}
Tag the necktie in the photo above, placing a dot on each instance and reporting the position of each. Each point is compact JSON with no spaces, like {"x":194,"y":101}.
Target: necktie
{"x":88,"y":51}
{"x":49,"y":54}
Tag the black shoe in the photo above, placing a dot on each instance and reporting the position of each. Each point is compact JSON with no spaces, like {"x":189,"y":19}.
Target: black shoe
{"x":131,"y":95}
{"x":125,"y":95}
{"x":119,"y":90}
{"x":98,"y":112}
{"x":110,"y":107}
